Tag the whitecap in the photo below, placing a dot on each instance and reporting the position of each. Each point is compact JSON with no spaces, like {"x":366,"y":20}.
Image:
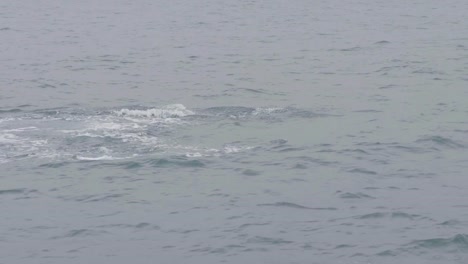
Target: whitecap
{"x":104,"y":157}
{"x":235,"y":149}
{"x":166,"y":112}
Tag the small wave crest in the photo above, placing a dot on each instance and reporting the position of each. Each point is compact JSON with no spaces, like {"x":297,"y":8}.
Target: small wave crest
{"x":104,"y":157}
{"x":459,"y":241}
{"x":262,"y":113}
{"x":295,"y":206}
{"x":432,"y":246}
{"x":439,"y":141}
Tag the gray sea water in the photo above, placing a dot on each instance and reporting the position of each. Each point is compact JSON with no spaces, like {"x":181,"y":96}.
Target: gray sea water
{"x":246,"y":131}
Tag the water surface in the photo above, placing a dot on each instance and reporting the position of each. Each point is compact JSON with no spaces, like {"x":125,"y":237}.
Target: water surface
{"x":233,"y":132}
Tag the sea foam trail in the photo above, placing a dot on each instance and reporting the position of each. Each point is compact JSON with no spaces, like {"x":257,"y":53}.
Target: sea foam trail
{"x":106,"y":134}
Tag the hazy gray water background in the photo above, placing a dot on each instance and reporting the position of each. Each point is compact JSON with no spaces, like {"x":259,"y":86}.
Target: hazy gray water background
{"x":233,"y":131}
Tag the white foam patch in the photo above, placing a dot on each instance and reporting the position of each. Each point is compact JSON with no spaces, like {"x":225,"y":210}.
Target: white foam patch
{"x":235,"y":149}
{"x":195,"y":152}
{"x":124,"y":136}
{"x":21,"y":142}
{"x":97,"y":125}
{"x":104,"y":157}
{"x":136,"y":132}
{"x":270,"y":110}
{"x":110,"y":127}
{"x":22,"y":129}
{"x":7,"y":138}
{"x":167,"y":112}
{"x":193,"y":155}
{"x":7,"y":119}
{"x":101,"y":125}
{"x":14,"y":147}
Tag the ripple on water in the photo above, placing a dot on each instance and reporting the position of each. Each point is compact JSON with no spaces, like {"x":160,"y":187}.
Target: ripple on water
{"x":357,"y":195}
{"x":363,"y":171}
{"x":433,"y":247}
{"x":13,"y":110}
{"x":81,"y":233}
{"x":457,"y":242}
{"x":262,"y":113}
{"x":143,"y":226}
{"x":249,"y":172}
{"x":295,"y":206}
{"x":176,"y":162}
{"x":54,"y":165}
{"x":439,"y":141}
{"x":268,"y":240}
{"x":124,"y":164}
{"x":379,"y":215}
{"x":91,"y":198}
{"x":451,"y":222}
{"x":13,"y":191}
{"x":19,"y":193}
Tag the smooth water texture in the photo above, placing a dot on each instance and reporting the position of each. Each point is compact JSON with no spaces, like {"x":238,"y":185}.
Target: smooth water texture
{"x":251,"y":131}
